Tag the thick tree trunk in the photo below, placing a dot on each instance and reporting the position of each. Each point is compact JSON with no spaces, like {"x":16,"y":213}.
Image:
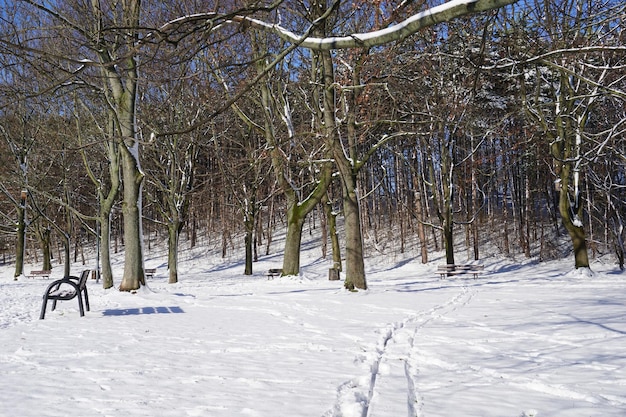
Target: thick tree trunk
{"x":134,"y":275}
{"x":105,"y":249}
{"x":572,"y":221}
{"x":173,"y":235}
{"x":331,"y":222}
{"x":66,"y":255}
{"x":293,"y":240}
{"x":567,"y":154}
{"x":448,"y":236}
{"x":355,"y":265}
{"x":122,"y":94}
{"x":106,"y":206}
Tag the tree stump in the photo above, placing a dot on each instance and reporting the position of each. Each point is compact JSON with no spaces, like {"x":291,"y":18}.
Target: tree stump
{"x":333,"y":274}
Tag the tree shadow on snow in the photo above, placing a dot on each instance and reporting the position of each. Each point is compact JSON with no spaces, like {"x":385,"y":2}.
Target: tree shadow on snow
{"x":142,"y":310}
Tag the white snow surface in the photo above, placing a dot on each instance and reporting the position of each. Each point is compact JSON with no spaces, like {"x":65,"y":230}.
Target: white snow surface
{"x":524,"y":339}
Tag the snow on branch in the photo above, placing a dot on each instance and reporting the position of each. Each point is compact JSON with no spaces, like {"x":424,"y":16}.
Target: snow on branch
{"x":442,"y":13}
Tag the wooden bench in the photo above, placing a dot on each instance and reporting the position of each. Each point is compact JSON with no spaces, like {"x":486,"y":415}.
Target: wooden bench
{"x":45,"y":273}
{"x":66,"y":289}
{"x":274,"y":272}
{"x":451,"y":269}
{"x":150,"y":272}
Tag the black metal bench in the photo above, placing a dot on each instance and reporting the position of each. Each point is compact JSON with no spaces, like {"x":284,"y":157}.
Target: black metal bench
{"x":66,"y":289}
{"x":274,"y":272}
{"x":452,"y":269}
{"x":43,"y":273}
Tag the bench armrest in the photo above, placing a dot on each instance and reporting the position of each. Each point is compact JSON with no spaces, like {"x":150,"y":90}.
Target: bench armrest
{"x":55,"y":285}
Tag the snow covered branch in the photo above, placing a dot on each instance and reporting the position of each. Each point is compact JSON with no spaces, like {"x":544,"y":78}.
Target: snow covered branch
{"x":442,"y":13}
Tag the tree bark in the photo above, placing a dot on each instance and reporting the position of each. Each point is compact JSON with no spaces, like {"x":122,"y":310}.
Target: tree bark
{"x":134,"y":275}
{"x":419,"y":213}
{"x":355,"y":265}
{"x":173,"y":236}
{"x":105,"y":247}
{"x":331,"y":222}
{"x":575,"y":229}
{"x":45,"y":239}
{"x":293,"y":240}
{"x":20,"y":247}
{"x":447,"y":197}
{"x":566,"y":152}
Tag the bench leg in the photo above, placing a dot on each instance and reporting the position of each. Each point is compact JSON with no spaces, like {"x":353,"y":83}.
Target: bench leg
{"x":80,"y":304}
{"x":86,"y":300}
{"x":43,"y":308}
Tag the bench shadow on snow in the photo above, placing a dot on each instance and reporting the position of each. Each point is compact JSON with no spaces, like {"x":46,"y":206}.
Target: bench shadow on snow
{"x":142,"y":310}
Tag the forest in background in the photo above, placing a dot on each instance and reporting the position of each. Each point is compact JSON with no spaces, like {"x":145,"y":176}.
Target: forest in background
{"x":507,"y":124}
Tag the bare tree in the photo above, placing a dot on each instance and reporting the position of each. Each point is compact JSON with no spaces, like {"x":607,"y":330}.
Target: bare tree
{"x":346,"y":158}
{"x":570,"y":80}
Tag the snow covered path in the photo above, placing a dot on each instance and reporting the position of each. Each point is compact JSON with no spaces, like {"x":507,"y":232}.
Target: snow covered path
{"x":393,"y":389}
{"x":529,"y":341}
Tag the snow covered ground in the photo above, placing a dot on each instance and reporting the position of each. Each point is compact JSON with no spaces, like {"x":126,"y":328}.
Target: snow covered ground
{"x":530,"y":339}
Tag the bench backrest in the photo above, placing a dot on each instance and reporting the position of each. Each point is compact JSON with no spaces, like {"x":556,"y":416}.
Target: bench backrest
{"x":82,"y":282}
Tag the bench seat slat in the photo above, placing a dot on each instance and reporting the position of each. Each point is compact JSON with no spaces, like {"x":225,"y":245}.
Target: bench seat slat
{"x":63,"y":294}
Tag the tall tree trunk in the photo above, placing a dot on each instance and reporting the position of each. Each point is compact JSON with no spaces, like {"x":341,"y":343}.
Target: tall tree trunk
{"x":106,"y":207}
{"x":527,"y":213}
{"x":419,"y":212}
{"x":448,"y":198}
{"x":66,"y":255}
{"x":355,"y":265}
{"x":505,"y":214}
{"x":46,"y":235}
{"x":448,"y":235}
{"x":173,"y":236}
{"x":571,"y":216}
{"x":346,"y":161}
{"x":474,"y":206}
{"x":249,"y":223}
{"x":20,"y":247}
{"x":121,"y":79}
{"x":134,"y":275}
{"x":331,"y":221}
{"x":293,"y":239}
{"x":105,"y":248}
{"x":566,"y":152}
